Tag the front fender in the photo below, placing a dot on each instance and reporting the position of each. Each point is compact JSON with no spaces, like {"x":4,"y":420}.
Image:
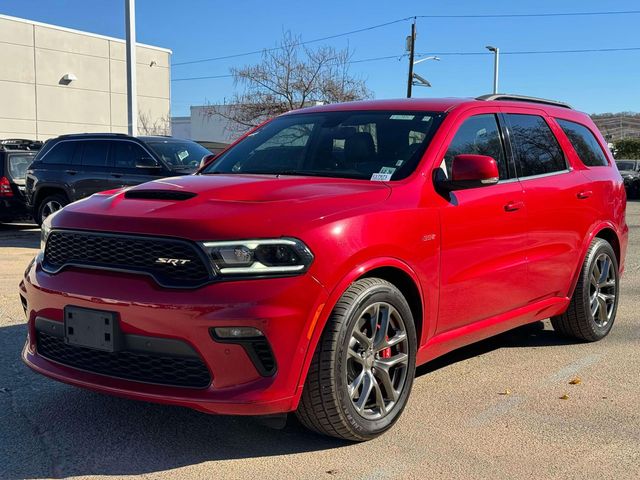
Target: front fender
{"x":323,"y":313}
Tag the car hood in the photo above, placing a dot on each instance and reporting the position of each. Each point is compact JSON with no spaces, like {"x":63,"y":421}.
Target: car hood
{"x":211,"y":207}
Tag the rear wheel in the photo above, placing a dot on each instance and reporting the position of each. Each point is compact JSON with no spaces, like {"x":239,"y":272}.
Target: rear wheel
{"x":593,"y":307}
{"x":363,"y":368}
{"x":49,"y":205}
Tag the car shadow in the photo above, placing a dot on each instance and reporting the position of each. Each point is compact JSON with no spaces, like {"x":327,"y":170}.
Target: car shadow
{"x":22,"y":235}
{"x":530,"y":335}
{"x":50,"y":429}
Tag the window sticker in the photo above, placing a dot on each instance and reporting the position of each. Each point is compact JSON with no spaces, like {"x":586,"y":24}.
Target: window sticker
{"x":402,"y":117}
{"x":399,"y":163}
{"x":183,"y":154}
{"x":381,"y":177}
{"x":387,"y":170}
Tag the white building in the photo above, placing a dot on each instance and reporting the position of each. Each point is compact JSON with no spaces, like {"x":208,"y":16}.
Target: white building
{"x":56,"y":80}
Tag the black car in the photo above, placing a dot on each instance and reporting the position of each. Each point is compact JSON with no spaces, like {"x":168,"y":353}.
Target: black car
{"x":630,"y":171}
{"x":15,"y":156}
{"x":71,"y":167}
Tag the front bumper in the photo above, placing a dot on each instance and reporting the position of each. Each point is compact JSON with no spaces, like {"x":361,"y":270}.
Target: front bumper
{"x":285,"y":309}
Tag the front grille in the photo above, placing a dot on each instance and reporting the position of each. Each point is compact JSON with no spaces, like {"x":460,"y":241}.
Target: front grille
{"x":172,"y":262}
{"x":154,"y":368}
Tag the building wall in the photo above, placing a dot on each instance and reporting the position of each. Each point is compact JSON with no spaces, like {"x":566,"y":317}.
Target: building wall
{"x":36,"y":104}
{"x":206,"y":127}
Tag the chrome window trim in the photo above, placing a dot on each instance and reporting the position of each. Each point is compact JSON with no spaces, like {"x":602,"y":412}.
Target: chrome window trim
{"x":544,"y":175}
{"x":96,"y":140}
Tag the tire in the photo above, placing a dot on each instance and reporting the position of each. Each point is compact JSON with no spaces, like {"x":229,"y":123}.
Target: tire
{"x":593,"y":306}
{"x":49,"y":205}
{"x":346,"y":357}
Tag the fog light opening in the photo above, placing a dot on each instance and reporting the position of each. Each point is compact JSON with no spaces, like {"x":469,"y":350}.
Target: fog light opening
{"x":230,"y":333}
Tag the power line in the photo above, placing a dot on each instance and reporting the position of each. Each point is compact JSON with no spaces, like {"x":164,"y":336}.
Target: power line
{"x":534,"y":52}
{"x":380,"y":25}
{"x":528,"y":15}
{"x":329,"y":37}
{"x":444,"y":54}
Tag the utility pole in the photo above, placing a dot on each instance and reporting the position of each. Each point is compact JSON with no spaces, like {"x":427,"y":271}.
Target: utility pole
{"x":411,"y":41}
{"x":132,"y":100}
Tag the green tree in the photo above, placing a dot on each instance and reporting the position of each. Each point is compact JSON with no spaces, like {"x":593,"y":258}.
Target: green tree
{"x":627,"y":148}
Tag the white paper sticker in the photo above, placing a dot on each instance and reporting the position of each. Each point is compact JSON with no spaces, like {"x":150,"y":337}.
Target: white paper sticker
{"x":402,"y":117}
{"x":399,"y":163}
{"x":381,"y":177}
{"x":388,"y":170}
{"x":183,"y":154}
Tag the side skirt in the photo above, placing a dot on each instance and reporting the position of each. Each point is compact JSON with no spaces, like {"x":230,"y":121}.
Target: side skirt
{"x":467,"y":334}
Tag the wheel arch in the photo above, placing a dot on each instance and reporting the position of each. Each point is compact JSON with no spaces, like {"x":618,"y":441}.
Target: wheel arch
{"x":45,"y":191}
{"x":391,"y":269}
{"x":605,"y":231}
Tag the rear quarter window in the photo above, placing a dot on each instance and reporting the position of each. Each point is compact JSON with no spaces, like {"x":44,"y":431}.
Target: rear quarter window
{"x":61,"y":154}
{"x":584,"y":143}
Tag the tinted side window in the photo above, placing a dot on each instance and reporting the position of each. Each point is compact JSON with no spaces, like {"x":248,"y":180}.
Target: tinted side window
{"x":95,"y":153}
{"x":126,"y":154}
{"x":478,"y":135}
{"x":584,"y":143}
{"x":61,"y":154}
{"x":538,"y":151}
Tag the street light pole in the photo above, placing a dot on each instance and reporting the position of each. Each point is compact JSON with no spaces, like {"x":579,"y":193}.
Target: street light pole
{"x":412,"y":49}
{"x":132,"y":100}
{"x":496,"y":62}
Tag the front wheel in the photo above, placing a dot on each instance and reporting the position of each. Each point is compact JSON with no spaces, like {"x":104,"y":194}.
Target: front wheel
{"x":594,"y":303}
{"x":363,"y":368}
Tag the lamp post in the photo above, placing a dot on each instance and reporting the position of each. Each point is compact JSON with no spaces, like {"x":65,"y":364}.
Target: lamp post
{"x":418,"y":80}
{"x":496,"y":61}
{"x":132,"y":100}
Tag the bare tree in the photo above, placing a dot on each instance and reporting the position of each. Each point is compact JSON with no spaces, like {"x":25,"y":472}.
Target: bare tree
{"x":156,"y":126}
{"x":289,"y":77}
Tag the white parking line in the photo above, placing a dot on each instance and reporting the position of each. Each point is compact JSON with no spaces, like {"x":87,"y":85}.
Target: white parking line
{"x":508,"y":403}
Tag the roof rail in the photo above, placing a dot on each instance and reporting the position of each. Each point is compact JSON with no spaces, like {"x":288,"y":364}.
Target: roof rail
{"x":522,"y":98}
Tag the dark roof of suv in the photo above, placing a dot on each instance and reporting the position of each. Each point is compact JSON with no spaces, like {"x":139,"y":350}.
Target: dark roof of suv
{"x":143,"y":138}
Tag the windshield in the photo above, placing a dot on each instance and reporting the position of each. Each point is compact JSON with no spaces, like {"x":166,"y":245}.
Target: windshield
{"x":18,"y":163}
{"x":353,"y":144}
{"x":179,"y":154}
{"x":626,"y":165}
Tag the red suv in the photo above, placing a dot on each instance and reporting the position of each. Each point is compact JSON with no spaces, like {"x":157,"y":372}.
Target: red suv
{"x":313,"y":264}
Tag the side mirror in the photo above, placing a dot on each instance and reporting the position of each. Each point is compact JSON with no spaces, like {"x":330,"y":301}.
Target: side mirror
{"x":472,"y":171}
{"x":147,"y":162}
{"x":206,"y":160}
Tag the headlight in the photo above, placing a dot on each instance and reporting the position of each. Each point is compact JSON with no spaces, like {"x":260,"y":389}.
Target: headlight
{"x":45,"y":229}
{"x":281,"y":256}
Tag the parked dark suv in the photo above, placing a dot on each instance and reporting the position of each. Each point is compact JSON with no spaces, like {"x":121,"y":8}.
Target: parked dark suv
{"x":15,"y":157}
{"x":630,"y":171}
{"x":72,"y":167}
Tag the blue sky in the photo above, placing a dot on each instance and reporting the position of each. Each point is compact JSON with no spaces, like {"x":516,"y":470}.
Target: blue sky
{"x":195,"y":29}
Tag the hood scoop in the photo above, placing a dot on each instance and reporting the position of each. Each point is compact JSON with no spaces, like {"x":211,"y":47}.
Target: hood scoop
{"x":173,"y":195}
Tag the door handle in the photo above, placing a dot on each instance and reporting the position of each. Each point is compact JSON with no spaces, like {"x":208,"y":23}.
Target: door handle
{"x":585,"y":194}
{"x":71,"y":172}
{"x":513,"y":206}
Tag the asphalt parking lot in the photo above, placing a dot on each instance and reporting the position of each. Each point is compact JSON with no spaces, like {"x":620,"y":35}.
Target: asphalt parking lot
{"x":491,"y":410}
